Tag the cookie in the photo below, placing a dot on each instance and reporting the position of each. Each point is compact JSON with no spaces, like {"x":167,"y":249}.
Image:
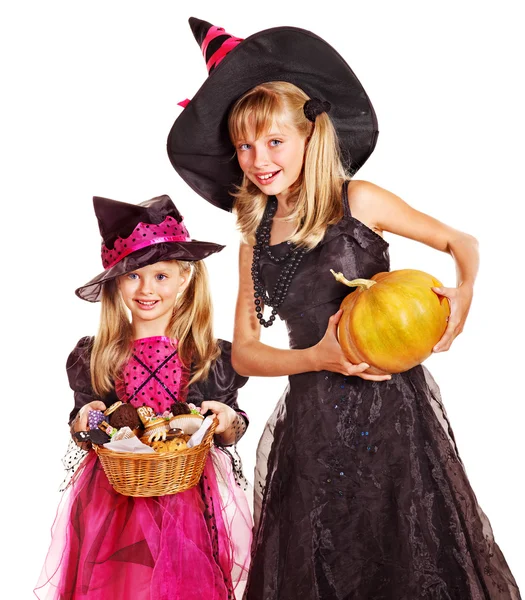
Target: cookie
{"x":160,"y":447}
{"x":176,"y":444}
{"x":112,"y":408}
{"x":145,"y":414}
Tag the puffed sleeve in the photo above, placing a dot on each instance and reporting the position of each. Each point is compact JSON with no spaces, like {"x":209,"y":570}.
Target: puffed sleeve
{"x":222,"y":383}
{"x":79,"y":376}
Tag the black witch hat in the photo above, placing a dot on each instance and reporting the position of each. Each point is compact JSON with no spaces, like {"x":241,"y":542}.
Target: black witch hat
{"x":199,"y":146}
{"x":136,"y":235}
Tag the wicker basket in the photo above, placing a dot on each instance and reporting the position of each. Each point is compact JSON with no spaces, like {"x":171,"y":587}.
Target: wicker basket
{"x":156,"y":474}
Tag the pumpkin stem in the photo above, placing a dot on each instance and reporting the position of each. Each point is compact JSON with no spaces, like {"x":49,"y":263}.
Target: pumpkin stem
{"x":364,"y":284}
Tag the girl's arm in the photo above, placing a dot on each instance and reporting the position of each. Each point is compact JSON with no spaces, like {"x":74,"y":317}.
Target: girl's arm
{"x":383,"y":211}
{"x":252,"y":357}
{"x":78,"y":369}
{"x":79,"y":377}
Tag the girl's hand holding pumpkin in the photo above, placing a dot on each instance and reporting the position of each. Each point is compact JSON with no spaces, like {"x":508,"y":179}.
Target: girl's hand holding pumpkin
{"x":328,"y":355}
{"x":460,"y":299}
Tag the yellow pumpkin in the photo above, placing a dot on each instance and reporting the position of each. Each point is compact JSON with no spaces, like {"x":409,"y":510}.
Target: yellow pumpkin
{"x":392,"y":321}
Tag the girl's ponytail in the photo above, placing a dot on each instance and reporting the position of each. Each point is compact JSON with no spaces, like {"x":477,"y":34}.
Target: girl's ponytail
{"x":319,"y":203}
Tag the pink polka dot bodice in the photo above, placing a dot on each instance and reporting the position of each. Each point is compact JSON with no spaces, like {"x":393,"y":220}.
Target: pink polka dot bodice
{"x":154,"y":376}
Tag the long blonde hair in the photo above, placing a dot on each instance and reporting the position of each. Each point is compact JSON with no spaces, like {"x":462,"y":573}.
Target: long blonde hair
{"x":191,"y":324}
{"x":317,"y":191}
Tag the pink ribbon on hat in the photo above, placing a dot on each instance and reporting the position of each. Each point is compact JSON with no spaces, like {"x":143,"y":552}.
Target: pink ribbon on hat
{"x":218,"y":55}
{"x":225,"y":48}
{"x":144,"y":235}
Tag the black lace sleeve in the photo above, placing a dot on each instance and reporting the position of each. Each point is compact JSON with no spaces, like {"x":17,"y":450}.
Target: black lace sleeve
{"x":79,"y":376}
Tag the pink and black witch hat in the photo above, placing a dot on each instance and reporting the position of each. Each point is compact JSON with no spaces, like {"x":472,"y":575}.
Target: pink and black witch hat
{"x":136,"y":235}
{"x":199,"y":146}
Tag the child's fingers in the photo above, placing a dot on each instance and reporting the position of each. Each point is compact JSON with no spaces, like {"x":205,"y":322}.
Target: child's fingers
{"x":333,"y":321}
{"x":359,"y":371}
{"x":215,"y":407}
{"x":221,"y":426}
{"x":83,"y":413}
{"x":375,"y":377}
{"x":451,"y":332}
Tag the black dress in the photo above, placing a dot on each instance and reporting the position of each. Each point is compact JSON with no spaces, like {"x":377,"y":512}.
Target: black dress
{"x":360,"y":492}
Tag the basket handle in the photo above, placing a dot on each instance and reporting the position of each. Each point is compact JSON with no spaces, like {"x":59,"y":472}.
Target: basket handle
{"x":208,"y":438}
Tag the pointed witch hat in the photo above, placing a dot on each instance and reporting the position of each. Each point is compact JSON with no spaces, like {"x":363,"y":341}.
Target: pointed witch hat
{"x":136,"y":235}
{"x":199,"y":146}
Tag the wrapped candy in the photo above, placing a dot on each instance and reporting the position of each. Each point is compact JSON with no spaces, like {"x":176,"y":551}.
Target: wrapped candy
{"x":95,"y":418}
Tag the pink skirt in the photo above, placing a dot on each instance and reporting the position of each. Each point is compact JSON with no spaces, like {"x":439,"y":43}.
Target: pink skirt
{"x":186,"y":546}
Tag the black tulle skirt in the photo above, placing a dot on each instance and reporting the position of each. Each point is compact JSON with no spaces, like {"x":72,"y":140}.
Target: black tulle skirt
{"x":361,"y":495}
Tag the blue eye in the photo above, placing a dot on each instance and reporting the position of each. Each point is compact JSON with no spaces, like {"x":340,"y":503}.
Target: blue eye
{"x":161,"y":277}
{"x":133,"y":276}
{"x":275,"y":143}
{"x":244,"y":146}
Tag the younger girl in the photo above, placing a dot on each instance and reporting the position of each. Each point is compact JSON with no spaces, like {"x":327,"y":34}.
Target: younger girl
{"x":190,"y":545}
{"x":363,"y":495}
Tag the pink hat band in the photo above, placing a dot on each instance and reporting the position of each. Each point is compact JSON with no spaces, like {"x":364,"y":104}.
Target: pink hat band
{"x":226,"y":46}
{"x":144,"y":235}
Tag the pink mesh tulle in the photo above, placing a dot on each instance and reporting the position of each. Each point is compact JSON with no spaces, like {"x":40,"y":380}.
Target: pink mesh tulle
{"x":186,"y":546}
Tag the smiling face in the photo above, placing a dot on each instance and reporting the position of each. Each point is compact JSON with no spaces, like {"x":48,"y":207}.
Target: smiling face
{"x":151,"y":293}
{"x":273,"y":161}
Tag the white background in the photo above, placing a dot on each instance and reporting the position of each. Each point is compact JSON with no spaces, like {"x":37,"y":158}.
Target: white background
{"x":89,"y":93}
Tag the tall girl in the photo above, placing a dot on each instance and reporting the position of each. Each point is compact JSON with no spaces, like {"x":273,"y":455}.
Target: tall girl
{"x":155,"y":346}
{"x":364,"y":496}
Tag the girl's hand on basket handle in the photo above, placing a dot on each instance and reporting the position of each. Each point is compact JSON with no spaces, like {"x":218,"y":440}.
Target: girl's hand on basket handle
{"x":80,"y":422}
{"x":224,"y":413}
{"x":231,"y":425}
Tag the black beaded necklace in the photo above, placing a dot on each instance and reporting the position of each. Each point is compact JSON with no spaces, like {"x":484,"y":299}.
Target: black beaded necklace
{"x":291,"y":261}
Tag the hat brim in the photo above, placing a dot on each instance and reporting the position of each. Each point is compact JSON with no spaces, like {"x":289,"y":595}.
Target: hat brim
{"x":190,"y":251}
{"x":198,"y":144}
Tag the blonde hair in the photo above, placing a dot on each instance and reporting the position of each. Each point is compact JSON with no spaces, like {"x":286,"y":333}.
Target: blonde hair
{"x":191,"y":324}
{"x":317,"y":191}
